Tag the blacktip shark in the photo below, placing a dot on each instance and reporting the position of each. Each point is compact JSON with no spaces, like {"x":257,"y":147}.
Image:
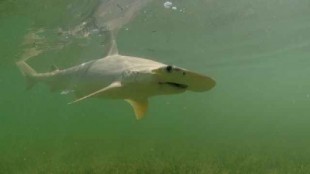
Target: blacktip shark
{"x":120,"y":77}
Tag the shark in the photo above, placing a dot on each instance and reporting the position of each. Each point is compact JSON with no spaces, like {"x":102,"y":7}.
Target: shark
{"x":117,"y":76}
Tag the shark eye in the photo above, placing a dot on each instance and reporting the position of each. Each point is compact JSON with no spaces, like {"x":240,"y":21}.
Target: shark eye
{"x":169,"y":68}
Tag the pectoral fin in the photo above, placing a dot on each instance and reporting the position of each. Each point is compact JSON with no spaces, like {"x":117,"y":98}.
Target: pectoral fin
{"x":112,"y":86}
{"x":139,"y":106}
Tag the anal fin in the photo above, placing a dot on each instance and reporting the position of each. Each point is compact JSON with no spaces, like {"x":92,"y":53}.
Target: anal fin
{"x":139,"y":106}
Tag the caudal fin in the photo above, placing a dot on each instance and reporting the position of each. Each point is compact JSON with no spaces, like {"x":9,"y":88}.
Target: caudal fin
{"x":28,"y":72}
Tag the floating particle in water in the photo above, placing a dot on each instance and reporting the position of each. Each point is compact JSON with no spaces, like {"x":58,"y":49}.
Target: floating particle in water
{"x":168,"y":4}
{"x":66,"y":92}
{"x":94,"y":31}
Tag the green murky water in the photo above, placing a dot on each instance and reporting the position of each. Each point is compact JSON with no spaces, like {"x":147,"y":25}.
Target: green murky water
{"x":256,"y":120}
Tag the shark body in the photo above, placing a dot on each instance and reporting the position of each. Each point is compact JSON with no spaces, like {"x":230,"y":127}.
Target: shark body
{"x":120,"y":77}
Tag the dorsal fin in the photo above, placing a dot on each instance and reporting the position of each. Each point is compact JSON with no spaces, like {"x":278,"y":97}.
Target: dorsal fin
{"x":111,"y":47}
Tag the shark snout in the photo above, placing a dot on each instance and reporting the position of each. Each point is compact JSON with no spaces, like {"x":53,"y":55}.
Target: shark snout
{"x":184,"y":79}
{"x":197,"y":82}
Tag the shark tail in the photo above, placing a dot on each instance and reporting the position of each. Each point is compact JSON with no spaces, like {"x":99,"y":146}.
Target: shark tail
{"x":28,"y":72}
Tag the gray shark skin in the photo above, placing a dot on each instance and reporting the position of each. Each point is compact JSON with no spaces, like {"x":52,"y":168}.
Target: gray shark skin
{"x":120,"y":77}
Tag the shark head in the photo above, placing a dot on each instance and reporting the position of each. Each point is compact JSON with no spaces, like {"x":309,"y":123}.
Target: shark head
{"x":172,"y":79}
{"x":161,"y":79}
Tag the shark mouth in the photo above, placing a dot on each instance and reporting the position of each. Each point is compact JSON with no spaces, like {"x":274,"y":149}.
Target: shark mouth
{"x":176,"y":85}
